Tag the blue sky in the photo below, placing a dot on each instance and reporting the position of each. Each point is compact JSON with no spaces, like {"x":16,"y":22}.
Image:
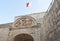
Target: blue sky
{"x":11,"y":8}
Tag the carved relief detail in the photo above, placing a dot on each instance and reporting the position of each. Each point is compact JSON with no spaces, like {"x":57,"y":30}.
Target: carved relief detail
{"x":24,"y":21}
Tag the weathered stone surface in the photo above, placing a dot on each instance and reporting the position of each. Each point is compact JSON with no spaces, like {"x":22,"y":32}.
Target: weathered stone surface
{"x":28,"y":24}
{"x":4,"y":34}
{"x":52,"y":23}
{"x":41,"y":26}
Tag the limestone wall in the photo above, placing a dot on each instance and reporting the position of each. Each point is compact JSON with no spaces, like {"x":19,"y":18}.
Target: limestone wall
{"x":4,"y":31}
{"x":4,"y":34}
{"x":51,"y":22}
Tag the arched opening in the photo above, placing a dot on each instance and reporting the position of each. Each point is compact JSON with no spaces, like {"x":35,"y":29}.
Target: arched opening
{"x":23,"y":37}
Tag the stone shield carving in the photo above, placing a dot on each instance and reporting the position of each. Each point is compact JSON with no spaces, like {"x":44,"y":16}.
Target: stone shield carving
{"x":24,"y":21}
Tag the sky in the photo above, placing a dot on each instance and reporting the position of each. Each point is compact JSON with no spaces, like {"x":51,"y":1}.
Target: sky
{"x":11,"y":8}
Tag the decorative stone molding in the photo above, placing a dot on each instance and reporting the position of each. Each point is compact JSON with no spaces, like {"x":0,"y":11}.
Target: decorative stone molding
{"x":24,"y":21}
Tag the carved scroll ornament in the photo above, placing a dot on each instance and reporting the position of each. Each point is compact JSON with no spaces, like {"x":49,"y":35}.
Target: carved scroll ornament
{"x":24,"y":22}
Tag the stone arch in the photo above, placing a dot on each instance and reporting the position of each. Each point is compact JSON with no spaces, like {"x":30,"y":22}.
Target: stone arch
{"x":17,"y":32}
{"x":23,"y":37}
